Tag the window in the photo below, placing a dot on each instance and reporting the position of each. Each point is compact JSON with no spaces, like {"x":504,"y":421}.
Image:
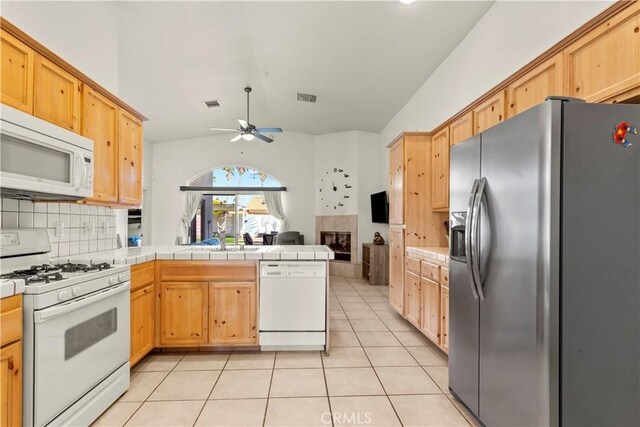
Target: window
{"x":234,"y":212}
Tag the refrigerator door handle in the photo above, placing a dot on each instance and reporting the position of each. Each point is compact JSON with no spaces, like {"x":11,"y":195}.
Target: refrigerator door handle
{"x":467,"y":238}
{"x":475,"y":232}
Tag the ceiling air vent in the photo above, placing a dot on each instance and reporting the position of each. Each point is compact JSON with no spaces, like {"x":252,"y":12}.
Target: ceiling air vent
{"x":212,"y":104}
{"x":306,"y":97}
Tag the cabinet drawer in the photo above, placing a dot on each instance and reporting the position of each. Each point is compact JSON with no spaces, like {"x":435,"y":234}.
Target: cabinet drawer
{"x":430,"y":271}
{"x":412,"y":265}
{"x":142,"y":275}
{"x":207,"y":271}
{"x":444,"y":276}
{"x":10,"y":319}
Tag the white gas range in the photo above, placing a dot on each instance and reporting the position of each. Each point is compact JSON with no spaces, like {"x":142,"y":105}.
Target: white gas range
{"x":76,"y":331}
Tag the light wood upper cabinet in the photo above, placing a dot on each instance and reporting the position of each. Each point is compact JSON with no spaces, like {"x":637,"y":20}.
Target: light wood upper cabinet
{"x":57,"y":95}
{"x":440,"y":171}
{"x":461,"y":129}
{"x":396,"y":268}
{"x":532,"y":88}
{"x":183,"y":313}
{"x":16,"y":74}
{"x":412,"y":298}
{"x":396,"y":182}
{"x":130,"y":159}
{"x":11,"y":385}
{"x":233,"y":313}
{"x":444,"y":325}
{"x":430,"y":312}
{"x":605,"y":63}
{"x":100,"y":124}
{"x":489,"y":113}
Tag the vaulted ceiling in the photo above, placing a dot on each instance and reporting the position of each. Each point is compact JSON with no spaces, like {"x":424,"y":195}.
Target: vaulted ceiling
{"x":363,"y":60}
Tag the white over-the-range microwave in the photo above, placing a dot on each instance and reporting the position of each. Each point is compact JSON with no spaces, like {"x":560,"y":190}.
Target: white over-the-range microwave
{"x":42,"y":161}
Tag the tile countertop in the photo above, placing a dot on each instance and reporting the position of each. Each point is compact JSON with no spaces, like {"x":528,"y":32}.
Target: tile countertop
{"x":10,"y":288}
{"x":149,"y":253}
{"x":438,"y":253}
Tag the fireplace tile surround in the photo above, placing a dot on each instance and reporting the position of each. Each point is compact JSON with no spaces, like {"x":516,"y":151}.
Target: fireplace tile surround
{"x":341,"y":224}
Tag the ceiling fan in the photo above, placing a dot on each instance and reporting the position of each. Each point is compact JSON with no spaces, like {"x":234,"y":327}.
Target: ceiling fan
{"x":248,"y":131}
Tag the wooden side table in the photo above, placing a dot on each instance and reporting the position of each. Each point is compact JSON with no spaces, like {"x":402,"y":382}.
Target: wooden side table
{"x":375,"y":264}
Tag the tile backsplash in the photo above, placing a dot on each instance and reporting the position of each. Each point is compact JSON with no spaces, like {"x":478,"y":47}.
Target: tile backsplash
{"x":73,"y":228}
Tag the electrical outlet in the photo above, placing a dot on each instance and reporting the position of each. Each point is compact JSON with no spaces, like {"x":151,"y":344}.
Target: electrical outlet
{"x":105,"y":226}
{"x":60,"y":229}
{"x":90,"y":227}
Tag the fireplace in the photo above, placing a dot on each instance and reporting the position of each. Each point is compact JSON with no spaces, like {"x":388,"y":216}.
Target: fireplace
{"x":339,"y":242}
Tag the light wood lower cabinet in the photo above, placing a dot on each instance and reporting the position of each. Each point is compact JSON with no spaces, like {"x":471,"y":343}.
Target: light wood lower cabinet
{"x":444,"y":325}
{"x":232,"y":313}
{"x":11,"y":385}
{"x":430,"y":313}
{"x":396,"y":268}
{"x":142,"y":310}
{"x":412,"y":298}
{"x":426,"y":299}
{"x":11,"y":361}
{"x":142,"y":323}
{"x":184,"y":310}
{"x":205,"y":303}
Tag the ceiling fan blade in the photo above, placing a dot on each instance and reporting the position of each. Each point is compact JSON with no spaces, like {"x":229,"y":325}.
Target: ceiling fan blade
{"x":262,"y":137}
{"x":243,"y":124}
{"x":236,"y":138}
{"x":224,"y":129}
{"x":269,"y":130}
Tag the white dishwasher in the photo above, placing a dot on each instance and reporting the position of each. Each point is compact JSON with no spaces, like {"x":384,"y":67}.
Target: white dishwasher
{"x":293,"y":304}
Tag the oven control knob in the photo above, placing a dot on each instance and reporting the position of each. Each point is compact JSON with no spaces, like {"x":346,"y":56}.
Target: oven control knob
{"x":63,"y":295}
{"x":113,"y":280}
{"x":122,"y":277}
{"x":75,"y":291}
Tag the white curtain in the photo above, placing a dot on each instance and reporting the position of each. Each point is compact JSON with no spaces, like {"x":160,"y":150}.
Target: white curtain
{"x":192,"y":201}
{"x":273,"y":200}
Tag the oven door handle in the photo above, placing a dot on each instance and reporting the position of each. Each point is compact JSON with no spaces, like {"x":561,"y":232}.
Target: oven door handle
{"x":61,"y":309}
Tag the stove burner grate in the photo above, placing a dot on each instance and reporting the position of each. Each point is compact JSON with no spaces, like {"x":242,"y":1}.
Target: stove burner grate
{"x":82,"y":268}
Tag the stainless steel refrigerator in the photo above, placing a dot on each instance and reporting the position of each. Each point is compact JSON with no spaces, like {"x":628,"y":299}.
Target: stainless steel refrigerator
{"x":545,"y":268}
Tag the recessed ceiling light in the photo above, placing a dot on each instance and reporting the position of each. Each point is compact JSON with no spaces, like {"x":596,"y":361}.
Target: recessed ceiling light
{"x":212,"y":104}
{"x":408,"y":1}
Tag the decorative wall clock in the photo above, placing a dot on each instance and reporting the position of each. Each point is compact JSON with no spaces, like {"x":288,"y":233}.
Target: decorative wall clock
{"x":335,"y":188}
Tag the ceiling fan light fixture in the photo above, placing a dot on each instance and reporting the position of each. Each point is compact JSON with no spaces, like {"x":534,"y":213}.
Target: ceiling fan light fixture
{"x":248,"y":137}
{"x":408,"y":2}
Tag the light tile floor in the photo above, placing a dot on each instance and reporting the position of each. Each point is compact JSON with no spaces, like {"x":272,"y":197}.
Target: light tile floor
{"x":381,"y":372}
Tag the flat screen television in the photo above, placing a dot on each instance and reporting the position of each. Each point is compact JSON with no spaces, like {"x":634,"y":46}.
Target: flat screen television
{"x":380,"y":208}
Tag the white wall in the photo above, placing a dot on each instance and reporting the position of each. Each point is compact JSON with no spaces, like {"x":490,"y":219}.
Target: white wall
{"x":369,"y":182}
{"x":290,"y":160}
{"x":336,"y":150}
{"x":357,"y":153}
{"x":85,"y":34}
{"x":509,"y":35}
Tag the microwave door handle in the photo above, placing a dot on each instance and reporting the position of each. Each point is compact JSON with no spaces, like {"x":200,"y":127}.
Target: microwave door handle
{"x":59,"y":310}
{"x":78,"y":177}
{"x":475,"y":234}
{"x":467,"y":238}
